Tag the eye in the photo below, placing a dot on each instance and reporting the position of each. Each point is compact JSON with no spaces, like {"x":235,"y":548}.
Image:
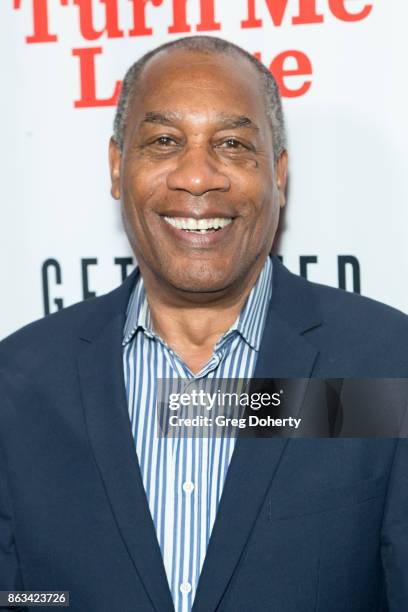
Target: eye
{"x":232,"y":143}
{"x":164,"y":141}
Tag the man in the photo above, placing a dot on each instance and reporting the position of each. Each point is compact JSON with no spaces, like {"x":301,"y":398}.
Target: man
{"x":92,"y":501}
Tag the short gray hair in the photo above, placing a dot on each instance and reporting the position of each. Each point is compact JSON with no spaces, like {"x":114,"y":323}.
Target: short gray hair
{"x":204,"y":44}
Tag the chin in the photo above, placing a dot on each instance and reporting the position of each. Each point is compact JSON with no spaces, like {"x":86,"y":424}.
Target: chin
{"x":199,"y":285}
{"x":201,"y":280}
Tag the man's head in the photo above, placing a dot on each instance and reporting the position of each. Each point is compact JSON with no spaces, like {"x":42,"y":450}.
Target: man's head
{"x":198,"y":159}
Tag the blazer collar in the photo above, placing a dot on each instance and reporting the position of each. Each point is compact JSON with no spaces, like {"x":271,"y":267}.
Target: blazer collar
{"x":111,"y":306}
{"x":285,"y":350}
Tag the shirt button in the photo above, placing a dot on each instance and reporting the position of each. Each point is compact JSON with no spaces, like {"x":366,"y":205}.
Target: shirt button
{"x":188,"y":487}
{"x":185,"y":587}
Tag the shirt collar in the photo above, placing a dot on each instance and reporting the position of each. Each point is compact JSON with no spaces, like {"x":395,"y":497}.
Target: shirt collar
{"x":251,"y":320}
{"x":138,"y":313}
{"x":249,"y":324}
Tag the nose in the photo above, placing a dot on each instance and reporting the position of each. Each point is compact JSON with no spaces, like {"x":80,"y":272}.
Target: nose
{"x":197,"y":173}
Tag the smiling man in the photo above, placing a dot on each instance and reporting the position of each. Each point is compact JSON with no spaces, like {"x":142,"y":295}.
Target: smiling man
{"x":92,"y":501}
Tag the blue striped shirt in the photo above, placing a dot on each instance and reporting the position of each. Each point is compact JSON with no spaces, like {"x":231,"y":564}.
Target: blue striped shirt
{"x":184,"y":476}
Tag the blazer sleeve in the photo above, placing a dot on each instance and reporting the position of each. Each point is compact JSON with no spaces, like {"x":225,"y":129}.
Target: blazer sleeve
{"x":394,"y":541}
{"x":10,"y":574}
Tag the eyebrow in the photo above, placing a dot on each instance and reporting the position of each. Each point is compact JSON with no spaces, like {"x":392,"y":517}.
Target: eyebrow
{"x":161,"y":118}
{"x":237,"y":121}
{"x":225,"y":120}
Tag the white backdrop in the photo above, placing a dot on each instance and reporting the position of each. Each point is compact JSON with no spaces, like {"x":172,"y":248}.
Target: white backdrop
{"x":347,"y":137}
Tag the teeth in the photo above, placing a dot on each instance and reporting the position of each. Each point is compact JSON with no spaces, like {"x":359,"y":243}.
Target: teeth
{"x":198,"y":225}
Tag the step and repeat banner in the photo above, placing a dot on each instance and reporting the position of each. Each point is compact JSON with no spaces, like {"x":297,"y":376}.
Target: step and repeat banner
{"x":341,"y":69}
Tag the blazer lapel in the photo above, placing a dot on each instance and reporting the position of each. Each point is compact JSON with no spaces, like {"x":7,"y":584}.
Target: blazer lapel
{"x":284,"y":353}
{"x":107,"y":420}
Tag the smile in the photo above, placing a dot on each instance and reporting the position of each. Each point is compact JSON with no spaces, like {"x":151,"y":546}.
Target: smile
{"x":198,"y":226}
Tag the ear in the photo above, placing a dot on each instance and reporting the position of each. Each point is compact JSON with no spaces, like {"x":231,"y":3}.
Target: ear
{"x":281,"y":173}
{"x":114,"y":163}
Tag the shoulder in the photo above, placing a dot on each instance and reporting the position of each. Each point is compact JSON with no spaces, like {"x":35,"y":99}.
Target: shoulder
{"x":355,"y":335}
{"x":62,"y":322}
{"x":341,"y":307}
{"x":360,"y":336}
{"x":57,"y":334}
{"x":297,"y":299}
{"x":42,"y":342}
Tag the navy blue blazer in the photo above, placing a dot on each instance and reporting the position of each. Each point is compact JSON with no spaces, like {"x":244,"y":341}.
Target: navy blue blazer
{"x":305,"y":525}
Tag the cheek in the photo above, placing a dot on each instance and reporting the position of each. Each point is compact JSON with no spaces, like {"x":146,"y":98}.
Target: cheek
{"x":263,"y":214}
{"x":258,"y":197}
{"x":267,"y":221}
{"x":142,"y":181}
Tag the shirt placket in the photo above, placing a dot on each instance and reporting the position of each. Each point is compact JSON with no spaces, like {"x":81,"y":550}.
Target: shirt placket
{"x":188,"y":466}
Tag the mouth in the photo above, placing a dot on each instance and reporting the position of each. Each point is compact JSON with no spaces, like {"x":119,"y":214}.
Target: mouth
{"x":199,"y":233}
{"x":199,"y":226}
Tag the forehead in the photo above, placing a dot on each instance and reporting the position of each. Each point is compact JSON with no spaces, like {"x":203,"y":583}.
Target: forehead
{"x":193,"y":83}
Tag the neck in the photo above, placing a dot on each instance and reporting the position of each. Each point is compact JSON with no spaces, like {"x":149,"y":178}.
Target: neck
{"x":191,"y":324}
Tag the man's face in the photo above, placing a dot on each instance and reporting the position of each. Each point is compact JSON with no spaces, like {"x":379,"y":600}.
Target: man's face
{"x":199,"y":188}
